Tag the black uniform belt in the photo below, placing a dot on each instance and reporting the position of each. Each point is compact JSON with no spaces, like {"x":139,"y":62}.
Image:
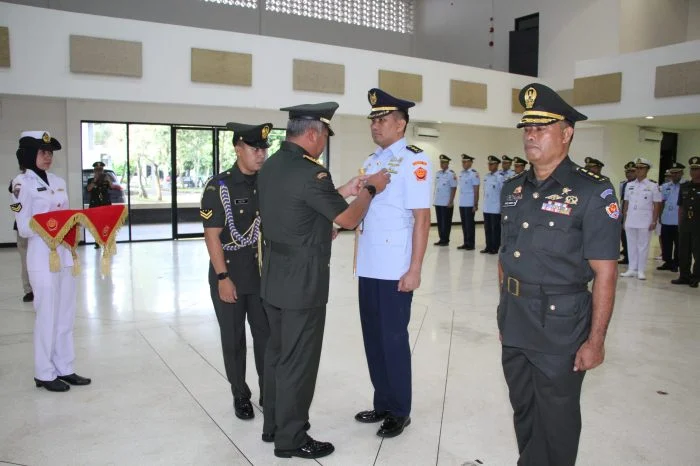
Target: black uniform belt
{"x":541,"y":292}
{"x":531,"y":290}
{"x":295,"y":249}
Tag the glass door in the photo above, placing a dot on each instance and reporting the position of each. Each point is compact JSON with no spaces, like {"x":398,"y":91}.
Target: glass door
{"x":193,"y":163}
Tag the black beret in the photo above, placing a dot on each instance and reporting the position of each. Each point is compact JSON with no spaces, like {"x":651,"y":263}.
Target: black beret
{"x":253,"y":135}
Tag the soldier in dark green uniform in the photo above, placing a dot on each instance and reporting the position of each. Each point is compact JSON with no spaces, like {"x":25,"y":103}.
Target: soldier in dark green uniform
{"x":689,"y":227}
{"x":299,"y":204}
{"x":232,"y":235}
{"x":561,"y":229}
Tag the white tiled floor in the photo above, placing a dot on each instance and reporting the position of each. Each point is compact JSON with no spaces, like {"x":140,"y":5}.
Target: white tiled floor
{"x":148,"y":337}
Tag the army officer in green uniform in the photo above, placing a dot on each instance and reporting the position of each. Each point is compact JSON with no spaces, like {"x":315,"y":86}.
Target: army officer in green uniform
{"x":561,"y":229}
{"x":689,"y":227}
{"x":299,"y":204}
{"x":232,"y":235}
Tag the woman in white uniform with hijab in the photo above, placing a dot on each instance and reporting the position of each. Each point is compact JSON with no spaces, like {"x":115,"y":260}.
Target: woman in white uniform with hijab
{"x":54,"y":292}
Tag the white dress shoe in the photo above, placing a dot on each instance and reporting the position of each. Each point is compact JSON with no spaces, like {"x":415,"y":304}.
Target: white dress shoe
{"x":641,"y":276}
{"x":629,"y":273}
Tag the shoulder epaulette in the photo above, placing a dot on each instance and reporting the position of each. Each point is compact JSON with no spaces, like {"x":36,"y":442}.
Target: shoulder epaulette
{"x":514,"y":177}
{"x":414,"y":149}
{"x":590,"y":175}
{"x":312,"y":160}
{"x":653,"y":181}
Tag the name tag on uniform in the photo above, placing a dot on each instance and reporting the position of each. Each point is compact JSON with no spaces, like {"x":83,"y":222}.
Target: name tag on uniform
{"x":240,"y":201}
{"x":43,"y":188}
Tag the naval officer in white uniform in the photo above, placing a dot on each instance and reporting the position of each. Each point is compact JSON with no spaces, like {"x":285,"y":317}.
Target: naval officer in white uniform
{"x":39,"y":192}
{"x":641,"y":215}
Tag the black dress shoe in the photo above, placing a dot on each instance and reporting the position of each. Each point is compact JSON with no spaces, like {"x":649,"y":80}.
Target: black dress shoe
{"x":664,"y":266}
{"x":461,"y":247}
{"x":260,"y":402}
{"x":469,"y":248}
{"x":243,"y":408}
{"x":371,"y":416}
{"x":693,"y":283}
{"x":269,"y":438}
{"x":310,"y":450}
{"x":681,"y":281}
{"x":54,"y":385}
{"x":484,"y":251}
{"x":28,"y":298}
{"x":493,"y":251}
{"x":393,"y":426}
{"x":623,"y":261}
{"x":75,"y":379}
{"x":674,"y":268}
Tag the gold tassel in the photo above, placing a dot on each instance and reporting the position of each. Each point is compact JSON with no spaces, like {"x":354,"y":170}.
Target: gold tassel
{"x":54,"y":261}
{"x":105,"y":265}
{"x":76,"y":264}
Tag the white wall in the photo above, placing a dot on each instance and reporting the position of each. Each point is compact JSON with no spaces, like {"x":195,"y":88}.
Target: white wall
{"x":645,"y":24}
{"x":622,"y":145}
{"x":638,"y":80}
{"x":37,"y":32}
{"x":688,"y":146}
{"x":19,"y":114}
{"x":570,"y":30}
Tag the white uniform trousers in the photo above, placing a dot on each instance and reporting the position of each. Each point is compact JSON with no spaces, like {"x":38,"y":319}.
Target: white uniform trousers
{"x":55,"y":302}
{"x":638,"y":247}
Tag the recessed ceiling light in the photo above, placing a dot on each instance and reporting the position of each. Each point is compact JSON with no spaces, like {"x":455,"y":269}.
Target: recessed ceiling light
{"x":439,"y":122}
{"x":649,"y":117}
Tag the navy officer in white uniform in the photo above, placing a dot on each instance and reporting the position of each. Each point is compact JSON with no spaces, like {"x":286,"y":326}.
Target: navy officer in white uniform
{"x":493,"y":183}
{"x":54,"y":292}
{"x":390,"y":257}
{"x":641,"y":211}
{"x":445,"y":189}
{"x":468,"y":200}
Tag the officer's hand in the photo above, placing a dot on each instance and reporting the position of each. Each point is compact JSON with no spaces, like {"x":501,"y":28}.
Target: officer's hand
{"x":379,"y":180}
{"x":475,"y":208}
{"x":652,"y":226}
{"x":227,"y":291}
{"x":410,"y":281}
{"x":334,"y":234}
{"x":589,"y":356}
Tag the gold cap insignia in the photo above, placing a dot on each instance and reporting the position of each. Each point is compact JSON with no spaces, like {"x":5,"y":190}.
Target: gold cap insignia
{"x":46,"y":137}
{"x":373,"y":98}
{"x":530,"y":96}
{"x":265,"y":131}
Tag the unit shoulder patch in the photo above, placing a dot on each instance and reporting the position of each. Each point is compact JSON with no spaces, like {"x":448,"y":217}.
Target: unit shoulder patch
{"x":16,"y":207}
{"x":591,"y":176}
{"x":414,"y":149}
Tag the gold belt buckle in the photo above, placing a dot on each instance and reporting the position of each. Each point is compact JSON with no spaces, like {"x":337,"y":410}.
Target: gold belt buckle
{"x":515,"y":289}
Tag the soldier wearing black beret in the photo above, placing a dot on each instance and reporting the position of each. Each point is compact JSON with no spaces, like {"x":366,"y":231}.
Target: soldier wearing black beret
{"x":561,"y":227}
{"x":594,"y":165}
{"x":232,"y":234}
{"x":519,"y":165}
{"x":299,"y":204}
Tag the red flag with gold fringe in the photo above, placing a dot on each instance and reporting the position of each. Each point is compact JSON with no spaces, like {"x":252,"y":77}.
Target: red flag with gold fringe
{"x":56,"y":227}
{"x":104,"y":223}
